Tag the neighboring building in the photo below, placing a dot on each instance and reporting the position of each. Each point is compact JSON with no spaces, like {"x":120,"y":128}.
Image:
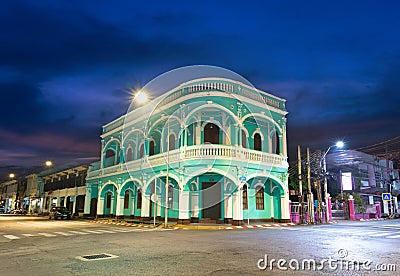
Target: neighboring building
{"x":211,"y":138}
{"x":10,"y":196}
{"x":370,"y":177}
{"x":32,"y":194}
{"x":63,"y":186}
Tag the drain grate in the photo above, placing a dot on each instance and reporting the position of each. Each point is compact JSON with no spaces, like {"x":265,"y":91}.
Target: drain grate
{"x":94,"y":257}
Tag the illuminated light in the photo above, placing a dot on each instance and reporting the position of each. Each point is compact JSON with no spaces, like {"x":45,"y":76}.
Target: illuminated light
{"x":141,"y":97}
{"x":347,"y":181}
{"x":340,"y":144}
{"x":11,"y":175}
{"x":48,"y":163}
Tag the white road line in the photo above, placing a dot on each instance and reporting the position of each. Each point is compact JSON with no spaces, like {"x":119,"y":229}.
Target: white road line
{"x":79,"y":232}
{"x":393,"y":237}
{"x":105,"y":231}
{"x":381,"y":234}
{"x":63,"y":233}
{"x":29,"y":235}
{"x":47,"y":234}
{"x":122,"y":230}
{"x":11,"y":237}
{"x":93,"y":231}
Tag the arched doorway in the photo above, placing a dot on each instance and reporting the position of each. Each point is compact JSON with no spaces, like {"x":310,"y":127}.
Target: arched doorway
{"x":257,"y":142}
{"x":211,"y":134}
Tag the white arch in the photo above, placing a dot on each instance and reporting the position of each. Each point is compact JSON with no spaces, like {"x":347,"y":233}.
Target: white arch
{"x":125,"y":137}
{"x":159,"y":176}
{"x":277,"y":180}
{"x":233,"y":116}
{"x":209,"y":170}
{"x":257,"y":130}
{"x":163,"y":118}
{"x":262,"y":116}
{"x":109,"y":182}
{"x":110,"y":141}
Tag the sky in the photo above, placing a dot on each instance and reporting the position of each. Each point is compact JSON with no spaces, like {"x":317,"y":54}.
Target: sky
{"x":66,"y":67}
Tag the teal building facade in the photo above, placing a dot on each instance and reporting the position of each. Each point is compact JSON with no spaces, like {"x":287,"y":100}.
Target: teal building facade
{"x":208,"y":150}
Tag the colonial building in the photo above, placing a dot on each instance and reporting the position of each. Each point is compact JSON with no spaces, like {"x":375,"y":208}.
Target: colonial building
{"x":62,"y":185}
{"x":218,"y":143}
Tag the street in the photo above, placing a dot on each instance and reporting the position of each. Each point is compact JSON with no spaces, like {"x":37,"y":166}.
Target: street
{"x":38,"y":246}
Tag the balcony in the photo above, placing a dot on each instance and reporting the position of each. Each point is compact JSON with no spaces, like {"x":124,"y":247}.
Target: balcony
{"x":203,"y":152}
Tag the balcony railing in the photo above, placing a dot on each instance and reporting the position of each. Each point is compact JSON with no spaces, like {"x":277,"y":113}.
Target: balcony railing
{"x":196,"y":152}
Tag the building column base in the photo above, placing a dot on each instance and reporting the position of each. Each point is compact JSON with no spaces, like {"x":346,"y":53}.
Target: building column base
{"x":237,"y":222}
{"x":183,"y":221}
{"x":228,"y":221}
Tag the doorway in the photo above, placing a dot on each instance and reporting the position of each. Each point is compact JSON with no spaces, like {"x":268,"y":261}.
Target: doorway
{"x":211,"y":200}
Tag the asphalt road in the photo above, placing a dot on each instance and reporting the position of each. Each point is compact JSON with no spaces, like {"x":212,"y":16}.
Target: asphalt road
{"x":37,"y":246}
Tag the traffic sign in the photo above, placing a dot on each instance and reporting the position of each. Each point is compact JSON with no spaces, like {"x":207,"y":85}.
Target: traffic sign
{"x":386,"y":197}
{"x":242,"y":178}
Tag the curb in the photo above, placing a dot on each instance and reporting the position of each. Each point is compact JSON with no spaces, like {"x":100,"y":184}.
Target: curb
{"x":208,"y":227}
{"x":123,"y":224}
{"x":373,"y":219}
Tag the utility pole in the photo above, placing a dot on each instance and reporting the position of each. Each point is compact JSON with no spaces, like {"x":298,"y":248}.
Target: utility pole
{"x":319,"y":192}
{"x":310,"y":196}
{"x":301,"y":213}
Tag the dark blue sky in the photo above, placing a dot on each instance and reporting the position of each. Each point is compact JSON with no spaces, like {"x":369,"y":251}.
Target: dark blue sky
{"x":66,"y":67}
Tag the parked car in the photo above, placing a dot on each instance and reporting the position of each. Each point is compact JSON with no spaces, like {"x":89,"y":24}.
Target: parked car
{"x":2,"y":210}
{"x":18,"y":212}
{"x":59,"y":212}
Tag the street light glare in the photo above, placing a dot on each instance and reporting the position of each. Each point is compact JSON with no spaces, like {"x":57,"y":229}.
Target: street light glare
{"x":48,"y":163}
{"x":141,"y":97}
{"x":339,"y":144}
{"x":11,"y":175}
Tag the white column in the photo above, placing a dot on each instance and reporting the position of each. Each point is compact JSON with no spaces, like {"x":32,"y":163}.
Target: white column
{"x":228,"y":206}
{"x":133,"y":206}
{"x":198,"y":133}
{"x":238,"y":205}
{"x":272,"y":206}
{"x":100,"y":206}
{"x":145,"y":206}
{"x":195,"y":204}
{"x":183,"y":204}
{"x":284,"y":141}
{"x":285,"y":206}
{"x":120,"y":207}
{"x":88,"y":200}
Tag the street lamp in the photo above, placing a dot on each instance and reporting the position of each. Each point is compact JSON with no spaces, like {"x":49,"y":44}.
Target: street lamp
{"x":11,"y":175}
{"x":48,"y":163}
{"x":338,"y":145}
{"x":166,"y":180}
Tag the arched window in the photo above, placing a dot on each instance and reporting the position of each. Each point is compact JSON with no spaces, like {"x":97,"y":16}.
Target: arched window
{"x":211,"y":134}
{"x":170,"y":196}
{"x":171,"y":142}
{"x":244,"y":198}
{"x":126,"y":199}
{"x":129,"y":155}
{"x":275,"y":143}
{"x":139,"y":200}
{"x":110,"y":158}
{"x":260,"y":198}
{"x":244,"y":139}
{"x":151,"y":147}
{"x":141,"y":151}
{"x":108,"y":200}
{"x":257,"y":142}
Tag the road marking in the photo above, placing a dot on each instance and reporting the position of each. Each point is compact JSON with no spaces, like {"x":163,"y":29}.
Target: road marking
{"x":79,"y":232}
{"x":105,"y":231}
{"x":393,"y":237}
{"x":47,"y":234}
{"x":29,"y":235}
{"x":93,"y":231}
{"x":63,"y":233}
{"x":11,"y":237}
{"x":123,"y":230}
{"x":381,"y":234}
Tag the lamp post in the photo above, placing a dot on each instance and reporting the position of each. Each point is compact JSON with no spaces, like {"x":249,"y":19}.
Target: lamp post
{"x":166,"y":180}
{"x":339,"y":145}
